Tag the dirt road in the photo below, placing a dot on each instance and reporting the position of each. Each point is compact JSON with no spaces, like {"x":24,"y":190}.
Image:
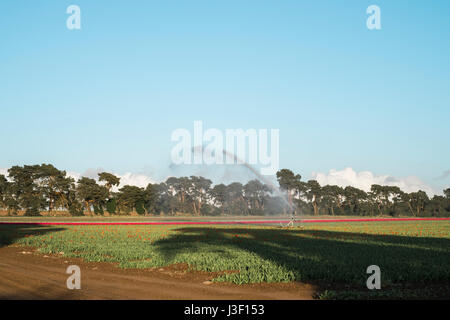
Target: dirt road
{"x":26,"y":274}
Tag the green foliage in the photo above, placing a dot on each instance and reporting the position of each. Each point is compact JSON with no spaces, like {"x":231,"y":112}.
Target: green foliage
{"x":76,"y":210}
{"x":110,"y":180}
{"x":98,"y":210}
{"x":140,"y":207}
{"x":132,"y":197}
{"x":32,"y":212}
{"x":43,"y":187}
{"x":26,"y":190}
{"x":92,"y":194}
{"x":408,"y":253}
{"x":447,"y":193}
{"x":111,"y":206}
{"x":290,"y":183}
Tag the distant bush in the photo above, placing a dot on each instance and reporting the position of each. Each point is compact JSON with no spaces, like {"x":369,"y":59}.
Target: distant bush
{"x":111,"y":206}
{"x":76,"y":210}
{"x":140,"y":208}
{"x":98,"y":210}
{"x":32,"y":212}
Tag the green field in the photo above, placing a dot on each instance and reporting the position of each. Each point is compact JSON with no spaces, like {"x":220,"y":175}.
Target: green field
{"x":414,"y":256}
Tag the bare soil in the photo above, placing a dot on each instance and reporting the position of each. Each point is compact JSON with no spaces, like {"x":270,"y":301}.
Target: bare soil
{"x":27,"y":274}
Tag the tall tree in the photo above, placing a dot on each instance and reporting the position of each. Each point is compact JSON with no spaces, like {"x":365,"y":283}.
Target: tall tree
{"x":181,"y":188}
{"x":332,"y":197}
{"x":235,"y":202}
{"x":417,"y":202}
{"x":353,"y":198}
{"x":288,"y":182}
{"x":314,"y":194}
{"x":7,"y":198}
{"x":26,"y":191}
{"x":109,"y":179}
{"x":199,"y":192}
{"x":92,"y":194}
{"x":3,"y":190}
{"x":54,"y":185}
{"x":380,"y":195}
{"x":165,"y":201}
{"x":219,"y":196}
{"x":394,"y":199}
{"x":437,"y":205}
{"x":255,"y":193}
{"x":447,"y":193}
{"x":150,"y":196}
{"x":132,"y":197}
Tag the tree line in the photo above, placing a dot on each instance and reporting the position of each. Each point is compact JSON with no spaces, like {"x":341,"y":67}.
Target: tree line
{"x":38,"y":188}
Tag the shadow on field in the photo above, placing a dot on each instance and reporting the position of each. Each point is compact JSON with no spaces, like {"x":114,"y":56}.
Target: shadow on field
{"x":41,"y":293}
{"x":325,"y":258}
{"x":10,"y":233}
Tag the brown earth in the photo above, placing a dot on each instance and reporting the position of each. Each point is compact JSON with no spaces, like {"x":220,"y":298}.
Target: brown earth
{"x":26,"y":274}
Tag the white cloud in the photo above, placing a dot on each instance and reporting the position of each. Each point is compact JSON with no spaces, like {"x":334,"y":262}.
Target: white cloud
{"x":4,"y":171}
{"x":364,"y":179}
{"x":75,"y":175}
{"x":132,"y":179}
{"x":135,"y":179}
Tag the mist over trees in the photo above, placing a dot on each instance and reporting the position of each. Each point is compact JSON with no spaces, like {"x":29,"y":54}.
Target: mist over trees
{"x":43,"y":188}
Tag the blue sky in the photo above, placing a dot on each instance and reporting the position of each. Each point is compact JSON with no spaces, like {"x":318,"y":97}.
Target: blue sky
{"x":110,"y":95}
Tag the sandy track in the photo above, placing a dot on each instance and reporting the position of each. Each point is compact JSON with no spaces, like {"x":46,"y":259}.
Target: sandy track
{"x":25,"y":274}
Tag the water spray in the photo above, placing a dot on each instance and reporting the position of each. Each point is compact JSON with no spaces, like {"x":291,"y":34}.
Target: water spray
{"x":269,"y":183}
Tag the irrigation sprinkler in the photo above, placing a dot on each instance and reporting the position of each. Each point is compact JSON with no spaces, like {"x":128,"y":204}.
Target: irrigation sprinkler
{"x":290,"y":224}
